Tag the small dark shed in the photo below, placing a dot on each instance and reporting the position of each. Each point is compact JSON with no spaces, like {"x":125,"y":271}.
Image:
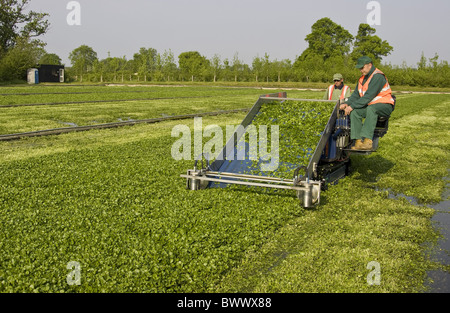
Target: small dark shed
{"x":51,"y":73}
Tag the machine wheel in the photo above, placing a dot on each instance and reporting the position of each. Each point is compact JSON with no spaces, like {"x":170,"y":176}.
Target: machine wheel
{"x":311,"y":197}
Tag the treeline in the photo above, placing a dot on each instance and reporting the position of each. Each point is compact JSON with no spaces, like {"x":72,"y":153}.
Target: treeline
{"x":331,"y":49}
{"x":193,"y":66}
{"x":150,"y":65}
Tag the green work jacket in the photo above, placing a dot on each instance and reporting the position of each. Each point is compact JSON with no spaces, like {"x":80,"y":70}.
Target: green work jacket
{"x":376,"y":84}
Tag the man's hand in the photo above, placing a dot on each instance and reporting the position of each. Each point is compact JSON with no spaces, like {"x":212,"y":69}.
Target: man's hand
{"x":348,"y":110}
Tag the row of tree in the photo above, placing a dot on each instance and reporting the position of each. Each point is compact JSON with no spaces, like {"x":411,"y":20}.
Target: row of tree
{"x":331,"y":49}
{"x":149,"y":65}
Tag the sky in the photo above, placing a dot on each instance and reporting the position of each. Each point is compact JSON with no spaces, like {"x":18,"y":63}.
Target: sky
{"x":249,"y":28}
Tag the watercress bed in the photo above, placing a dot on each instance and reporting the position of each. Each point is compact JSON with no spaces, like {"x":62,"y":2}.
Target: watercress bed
{"x":112,"y":201}
{"x":301,"y":124}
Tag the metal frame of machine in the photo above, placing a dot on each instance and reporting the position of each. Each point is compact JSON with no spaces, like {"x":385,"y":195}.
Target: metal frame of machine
{"x":329,"y":162}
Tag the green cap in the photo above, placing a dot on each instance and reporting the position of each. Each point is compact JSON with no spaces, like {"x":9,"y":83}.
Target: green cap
{"x":363,"y":61}
{"x":337,"y":76}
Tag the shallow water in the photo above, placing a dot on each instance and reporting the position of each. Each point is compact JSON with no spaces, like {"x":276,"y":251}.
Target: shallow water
{"x":68,"y":123}
{"x":441,"y":254}
{"x":441,"y":281}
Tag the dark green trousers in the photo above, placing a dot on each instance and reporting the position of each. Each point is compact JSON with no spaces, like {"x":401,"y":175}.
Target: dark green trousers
{"x":370,"y":113}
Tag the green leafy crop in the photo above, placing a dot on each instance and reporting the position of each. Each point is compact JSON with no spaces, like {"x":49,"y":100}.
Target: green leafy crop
{"x":124,"y":214}
{"x":113,"y":200}
{"x":301,"y":124}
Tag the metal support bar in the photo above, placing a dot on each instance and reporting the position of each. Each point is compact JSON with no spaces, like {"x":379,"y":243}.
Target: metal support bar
{"x":203,"y":178}
{"x":252,"y":177}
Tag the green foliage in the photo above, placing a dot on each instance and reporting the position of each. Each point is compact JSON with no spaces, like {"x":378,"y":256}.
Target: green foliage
{"x":113,"y":201}
{"x":359,"y":221}
{"x":215,"y":66}
{"x":16,"y":24}
{"x":192,"y":64}
{"x":166,"y":102}
{"x":19,"y":48}
{"x":328,"y":250}
{"x":419,"y":134}
{"x":121,"y":212}
{"x":50,"y":58}
{"x":15,"y":63}
{"x":145,"y":61}
{"x":301,"y":124}
{"x":328,"y":52}
{"x":433,"y":74}
{"x":327,"y":39}
{"x":366,"y":43}
{"x":83,"y":59}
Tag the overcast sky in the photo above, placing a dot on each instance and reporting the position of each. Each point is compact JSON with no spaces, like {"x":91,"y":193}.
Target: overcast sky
{"x":247,"y":27}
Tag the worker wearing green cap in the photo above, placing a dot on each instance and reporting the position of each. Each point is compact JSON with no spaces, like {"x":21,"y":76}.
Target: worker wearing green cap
{"x":338,"y":90}
{"x":372,"y":98}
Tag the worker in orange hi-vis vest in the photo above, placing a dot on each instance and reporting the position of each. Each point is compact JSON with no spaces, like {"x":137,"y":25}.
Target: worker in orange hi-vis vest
{"x":372,"y":98}
{"x":338,"y":90}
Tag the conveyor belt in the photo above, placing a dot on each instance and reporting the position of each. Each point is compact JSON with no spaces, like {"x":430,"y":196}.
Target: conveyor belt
{"x":234,"y":165}
{"x":227,"y":169}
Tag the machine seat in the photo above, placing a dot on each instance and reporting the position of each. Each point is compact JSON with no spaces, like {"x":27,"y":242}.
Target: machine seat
{"x":383,"y":122}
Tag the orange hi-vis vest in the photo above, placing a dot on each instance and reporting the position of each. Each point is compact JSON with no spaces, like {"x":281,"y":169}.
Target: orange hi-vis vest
{"x":331,"y":89}
{"x":385,"y":95}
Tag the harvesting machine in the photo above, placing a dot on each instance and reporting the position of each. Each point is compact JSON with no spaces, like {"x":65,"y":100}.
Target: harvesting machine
{"x":329,"y":162}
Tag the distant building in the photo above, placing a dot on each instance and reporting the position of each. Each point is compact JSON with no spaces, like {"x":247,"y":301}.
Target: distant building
{"x":33,"y":76}
{"x":51,"y":73}
{"x":46,"y":73}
